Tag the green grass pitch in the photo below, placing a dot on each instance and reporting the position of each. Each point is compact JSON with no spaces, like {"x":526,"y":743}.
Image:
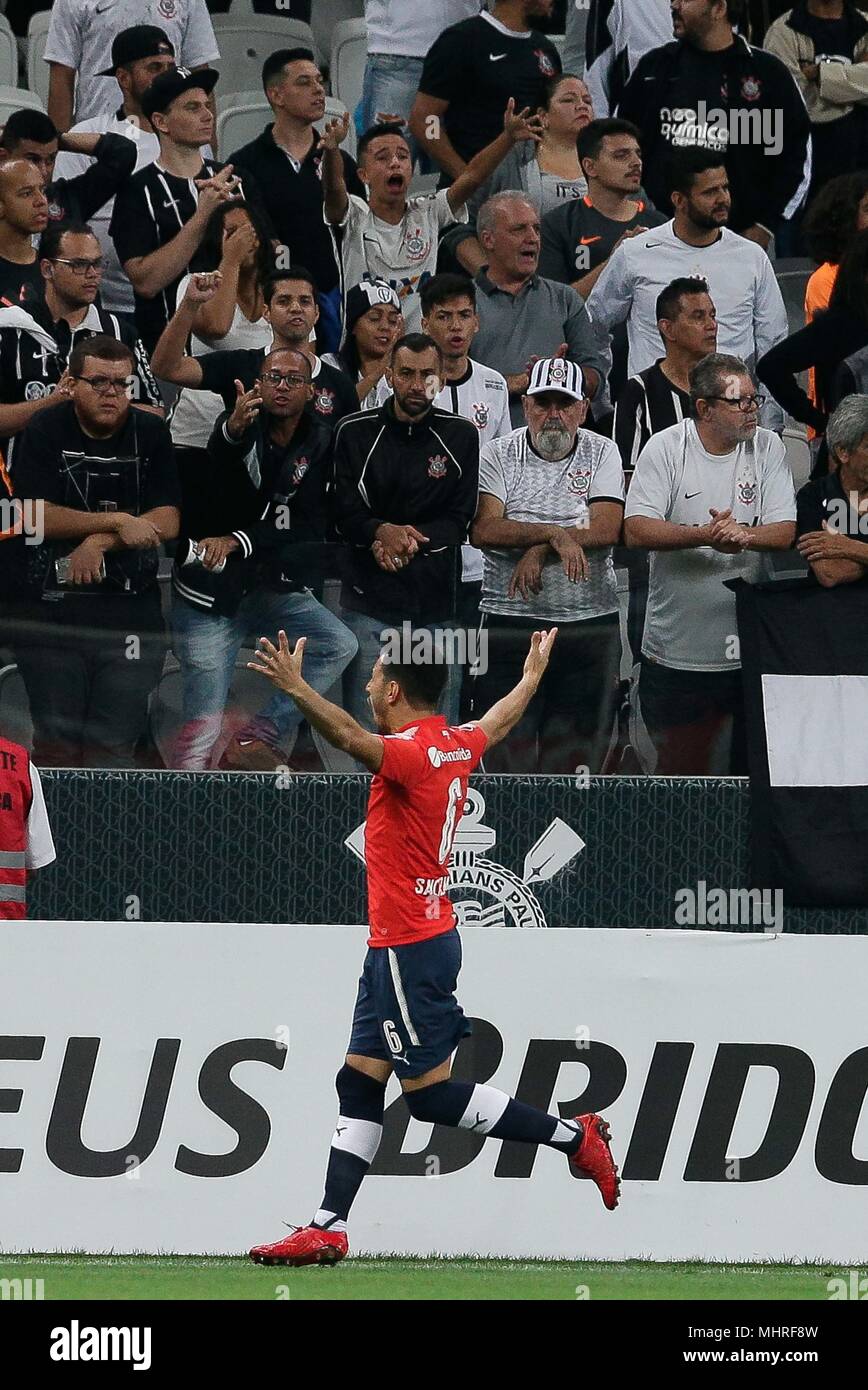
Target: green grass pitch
{"x":112,"y":1277}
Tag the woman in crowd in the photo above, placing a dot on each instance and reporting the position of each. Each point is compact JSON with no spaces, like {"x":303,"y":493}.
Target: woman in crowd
{"x":372,"y":325}
{"x":548,"y":172}
{"x":833,"y":335}
{"x":839,"y":211}
{"x":239,"y":245}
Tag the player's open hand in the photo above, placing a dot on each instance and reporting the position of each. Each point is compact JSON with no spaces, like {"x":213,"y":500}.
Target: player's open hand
{"x":279,"y":664}
{"x":537,"y":659}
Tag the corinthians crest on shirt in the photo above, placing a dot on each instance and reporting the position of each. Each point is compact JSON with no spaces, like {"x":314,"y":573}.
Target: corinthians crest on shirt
{"x":481,"y":413}
{"x":416,"y":244}
{"x":301,"y":467}
{"x":746,"y":492}
{"x":437,"y":464}
{"x":324,"y":401}
{"x":546,"y":66}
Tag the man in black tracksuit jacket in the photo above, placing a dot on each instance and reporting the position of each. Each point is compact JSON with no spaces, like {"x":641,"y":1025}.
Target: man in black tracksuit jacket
{"x":32,"y":135}
{"x":259,"y":520}
{"x":406,"y":487}
{"x":753,"y":106}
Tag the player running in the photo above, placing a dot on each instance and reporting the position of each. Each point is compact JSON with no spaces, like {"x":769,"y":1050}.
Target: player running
{"x":407,"y":1018}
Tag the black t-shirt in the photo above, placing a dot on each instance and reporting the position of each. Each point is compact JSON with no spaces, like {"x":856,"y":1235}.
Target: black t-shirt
{"x":477,"y":67}
{"x":293,"y":200}
{"x":29,"y":369}
{"x":824,"y":499}
{"x":149,"y":212}
{"x":833,"y":38}
{"x":334,"y":393}
{"x":131,"y":471}
{"x":20,"y":283}
{"x":576,"y":237}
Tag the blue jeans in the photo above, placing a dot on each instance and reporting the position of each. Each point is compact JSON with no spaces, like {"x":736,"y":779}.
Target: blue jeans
{"x":207,"y":646}
{"x":390,"y":86}
{"x":368,"y":633}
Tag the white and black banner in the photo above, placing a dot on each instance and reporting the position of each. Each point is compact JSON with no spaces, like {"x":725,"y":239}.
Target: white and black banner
{"x":171,"y":1088}
{"x":804,"y":655}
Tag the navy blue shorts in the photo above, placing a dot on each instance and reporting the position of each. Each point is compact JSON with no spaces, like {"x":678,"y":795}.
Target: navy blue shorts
{"x":406,"y":1012}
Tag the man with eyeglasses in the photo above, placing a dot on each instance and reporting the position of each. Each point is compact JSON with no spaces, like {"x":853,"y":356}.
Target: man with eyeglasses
{"x":256,"y":564}
{"x":708,"y":497}
{"x":100,"y":472}
{"x":36,"y":339}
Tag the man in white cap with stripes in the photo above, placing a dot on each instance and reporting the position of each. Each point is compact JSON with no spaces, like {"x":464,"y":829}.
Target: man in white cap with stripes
{"x":551,"y":503}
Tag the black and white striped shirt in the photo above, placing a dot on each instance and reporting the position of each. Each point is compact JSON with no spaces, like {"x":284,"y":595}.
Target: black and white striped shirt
{"x":649,"y":403}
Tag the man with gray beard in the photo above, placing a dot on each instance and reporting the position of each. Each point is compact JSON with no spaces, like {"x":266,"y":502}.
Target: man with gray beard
{"x":551,"y":502}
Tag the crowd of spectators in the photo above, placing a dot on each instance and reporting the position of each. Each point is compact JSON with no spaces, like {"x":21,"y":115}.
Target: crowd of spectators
{"x":283,"y":387}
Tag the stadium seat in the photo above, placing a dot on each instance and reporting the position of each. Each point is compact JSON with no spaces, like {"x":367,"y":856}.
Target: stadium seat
{"x":349,"y":53}
{"x":38,"y":72}
{"x":14,"y":98}
{"x":8,"y":54}
{"x":246,"y":114}
{"x":798,"y":454}
{"x":245,"y":43}
{"x":327,"y":17}
{"x":792,"y":275}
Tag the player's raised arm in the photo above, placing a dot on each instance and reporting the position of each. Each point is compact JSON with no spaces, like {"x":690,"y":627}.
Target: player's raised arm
{"x":283,"y":669}
{"x":507,"y":712}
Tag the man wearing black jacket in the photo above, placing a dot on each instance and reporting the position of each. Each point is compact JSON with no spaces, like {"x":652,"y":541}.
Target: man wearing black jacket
{"x":406,"y":485}
{"x":32,"y":135}
{"x":713,"y":89}
{"x":257,"y":525}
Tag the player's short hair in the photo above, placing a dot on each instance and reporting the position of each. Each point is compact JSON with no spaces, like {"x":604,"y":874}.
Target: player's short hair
{"x":709,"y":375}
{"x":52,"y":238}
{"x":589,"y":141}
{"x":684,"y":167}
{"x":441,"y":288}
{"x":486,"y":218}
{"x":385,"y":128}
{"x":101,"y":346}
{"x":416,"y":342}
{"x":422,"y":683}
{"x":847,"y":425}
{"x":274,"y":64}
{"x":28,"y":125}
{"x":295,"y":272}
{"x":669,"y":300}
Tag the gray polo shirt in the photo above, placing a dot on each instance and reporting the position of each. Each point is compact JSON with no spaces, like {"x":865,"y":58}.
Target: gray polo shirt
{"x":514,"y":327}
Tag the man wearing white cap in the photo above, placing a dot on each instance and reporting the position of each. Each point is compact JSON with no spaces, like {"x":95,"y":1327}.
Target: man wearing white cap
{"x":551,"y":503}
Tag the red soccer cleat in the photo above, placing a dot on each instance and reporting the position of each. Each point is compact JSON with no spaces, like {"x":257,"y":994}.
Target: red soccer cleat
{"x":593,"y":1158}
{"x":307,"y":1245}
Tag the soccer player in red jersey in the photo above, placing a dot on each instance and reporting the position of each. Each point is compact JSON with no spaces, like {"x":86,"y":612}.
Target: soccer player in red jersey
{"x":407,"y":1018}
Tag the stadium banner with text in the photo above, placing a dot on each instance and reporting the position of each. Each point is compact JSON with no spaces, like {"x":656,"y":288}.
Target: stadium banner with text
{"x":169,"y":1088}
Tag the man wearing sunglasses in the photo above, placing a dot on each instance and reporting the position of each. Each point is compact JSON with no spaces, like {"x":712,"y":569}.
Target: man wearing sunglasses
{"x":100,"y":473}
{"x":36,"y":339}
{"x":258,"y":524}
{"x":708,"y":497}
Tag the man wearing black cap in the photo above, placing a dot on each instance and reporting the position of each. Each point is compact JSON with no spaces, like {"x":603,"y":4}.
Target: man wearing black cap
{"x":286,"y":163}
{"x":161,"y":215}
{"x":139,"y":54}
{"x":79,"y":48}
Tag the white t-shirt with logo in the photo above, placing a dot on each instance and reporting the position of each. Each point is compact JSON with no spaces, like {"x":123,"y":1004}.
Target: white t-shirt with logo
{"x":534,"y":490}
{"x":405,"y":255}
{"x":82,"y":32}
{"x":481,"y":396}
{"x":690,"y":622}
